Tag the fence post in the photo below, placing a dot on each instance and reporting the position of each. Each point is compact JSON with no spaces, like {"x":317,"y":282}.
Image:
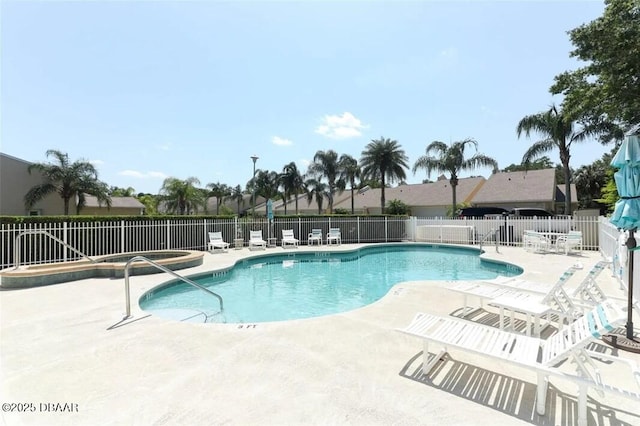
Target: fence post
{"x":358,"y":227}
{"x":65,"y":229}
{"x":122,"y":236}
{"x":386,"y":229}
{"x":204,"y":234}
{"x":166,"y":243}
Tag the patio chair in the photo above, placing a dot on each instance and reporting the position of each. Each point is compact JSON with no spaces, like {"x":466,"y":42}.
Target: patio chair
{"x":334,"y":236}
{"x":588,"y":290}
{"x":569,"y":242}
{"x":512,"y":288}
{"x":216,"y":242}
{"x":289,"y":239}
{"x":535,"y":241}
{"x":544,"y":357}
{"x":315,"y":236}
{"x":256,"y":241}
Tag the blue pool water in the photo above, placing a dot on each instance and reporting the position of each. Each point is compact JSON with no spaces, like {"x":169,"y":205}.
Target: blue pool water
{"x":309,"y":284}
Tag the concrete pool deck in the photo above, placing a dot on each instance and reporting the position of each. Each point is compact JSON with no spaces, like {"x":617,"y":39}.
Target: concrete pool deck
{"x":67,"y":344}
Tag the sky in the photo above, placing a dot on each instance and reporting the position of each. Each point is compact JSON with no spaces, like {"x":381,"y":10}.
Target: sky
{"x":147,"y":90}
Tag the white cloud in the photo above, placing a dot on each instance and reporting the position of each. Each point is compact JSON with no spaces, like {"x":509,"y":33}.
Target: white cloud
{"x":143,"y":175}
{"x":277,"y":140}
{"x":343,"y":126}
{"x":96,"y":162}
{"x":164,"y":146}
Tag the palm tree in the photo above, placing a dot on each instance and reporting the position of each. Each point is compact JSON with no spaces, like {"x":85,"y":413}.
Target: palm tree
{"x":69,"y":180}
{"x":182,"y":196}
{"x":91,"y":186}
{"x":558,"y":131}
{"x":318,"y":190}
{"x":325,"y":164}
{"x":383,"y":159}
{"x":266,"y":184}
{"x":116,"y":191}
{"x":349,"y":172}
{"x":292,"y":183}
{"x":450,"y":158}
{"x":220,"y":191}
{"x":238,"y":196}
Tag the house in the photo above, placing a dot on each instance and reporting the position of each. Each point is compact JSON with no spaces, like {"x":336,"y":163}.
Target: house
{"x":15,"y":182}
{"x":432,"y":199}
{"x":119,"y":206}
{"x":532,"y":188}
{"x":306,"y":206}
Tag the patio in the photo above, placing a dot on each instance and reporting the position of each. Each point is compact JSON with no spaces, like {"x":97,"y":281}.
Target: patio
{"x":67,"y":343}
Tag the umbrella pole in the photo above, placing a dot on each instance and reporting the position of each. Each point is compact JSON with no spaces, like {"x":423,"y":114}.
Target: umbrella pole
{"x":631,"y":245}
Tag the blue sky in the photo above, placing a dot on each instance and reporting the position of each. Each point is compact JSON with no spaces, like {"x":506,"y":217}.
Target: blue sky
{"x":148,"y":90}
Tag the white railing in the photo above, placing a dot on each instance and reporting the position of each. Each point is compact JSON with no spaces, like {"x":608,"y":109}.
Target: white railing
{"x":191,"y":233}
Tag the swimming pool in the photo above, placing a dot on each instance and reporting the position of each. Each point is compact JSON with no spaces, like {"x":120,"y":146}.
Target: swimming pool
{"x":309,"y":284}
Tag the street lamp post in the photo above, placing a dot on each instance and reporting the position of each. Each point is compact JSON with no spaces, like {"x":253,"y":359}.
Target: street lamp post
{"x":253,"y":195}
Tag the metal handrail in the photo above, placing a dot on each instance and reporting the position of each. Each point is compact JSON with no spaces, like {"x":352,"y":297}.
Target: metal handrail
{"x":162,"y":268}
{"x":16,"y":246}
{"x":491,"y":231}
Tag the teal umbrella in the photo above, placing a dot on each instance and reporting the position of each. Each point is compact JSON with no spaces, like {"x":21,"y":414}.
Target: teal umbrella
{"x":626,"y":214}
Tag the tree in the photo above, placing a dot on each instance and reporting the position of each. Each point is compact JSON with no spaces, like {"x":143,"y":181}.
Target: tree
{"x":182,"y":196}
{"x":383,"y":159}
{"x":220,"y":191}
{"x":89,"y":185}
{"x":590,"y":180}
{"x":541,"y":163}
{"x":318,"y":190}
{"x":607,"y":89}
{"x":450,"y":159}
{"x":116,"y":191}
{"x":325,"y":164}
{"x":266,"y":183}
{"x":558,"y":131}
{"x":609,"y":192}
{"x":292,"y":184}
{"x":68,"y":180}
{"x":349,"y":172}
{"x":397,"y":207}
{"x":238,"y":196}
{"x":150,"y":202}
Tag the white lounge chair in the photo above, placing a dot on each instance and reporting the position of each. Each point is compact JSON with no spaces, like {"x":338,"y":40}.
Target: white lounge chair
{"x":569,"y":242}
{"x":542,"y":356}
{"x":334,"y":236}
{"x":315,"y":236}
{"x":256,"y":241}
{"x":516,"y":288}
{"x":216,"y":242}
{"x":288,"y":238}
{"x":588,"y":290}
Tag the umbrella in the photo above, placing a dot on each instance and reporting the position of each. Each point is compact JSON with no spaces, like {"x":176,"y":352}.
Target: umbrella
{"x":627,"y":210}
{"x":269,"y":216}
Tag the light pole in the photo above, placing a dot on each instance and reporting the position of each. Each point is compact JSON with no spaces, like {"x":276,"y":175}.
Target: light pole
{"x":253,"y":195}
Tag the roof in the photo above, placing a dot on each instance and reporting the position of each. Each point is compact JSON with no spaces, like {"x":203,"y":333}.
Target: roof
{"x":120,"y":202}
{"x":560,"y":193}
{"x":518,"y":187}
{"x":423,"y":194}
{"x":2,"y":154}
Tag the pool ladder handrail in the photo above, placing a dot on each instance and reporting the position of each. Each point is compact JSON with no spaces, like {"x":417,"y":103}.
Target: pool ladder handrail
{"x":491,"y":231}
{"x":17,"y":246}
{"x":163,"y":269}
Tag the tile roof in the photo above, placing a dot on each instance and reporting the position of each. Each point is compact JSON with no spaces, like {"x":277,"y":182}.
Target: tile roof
{"x":518,"y":187}
{"x":129,"y":202}
{"x":424,"y":194}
